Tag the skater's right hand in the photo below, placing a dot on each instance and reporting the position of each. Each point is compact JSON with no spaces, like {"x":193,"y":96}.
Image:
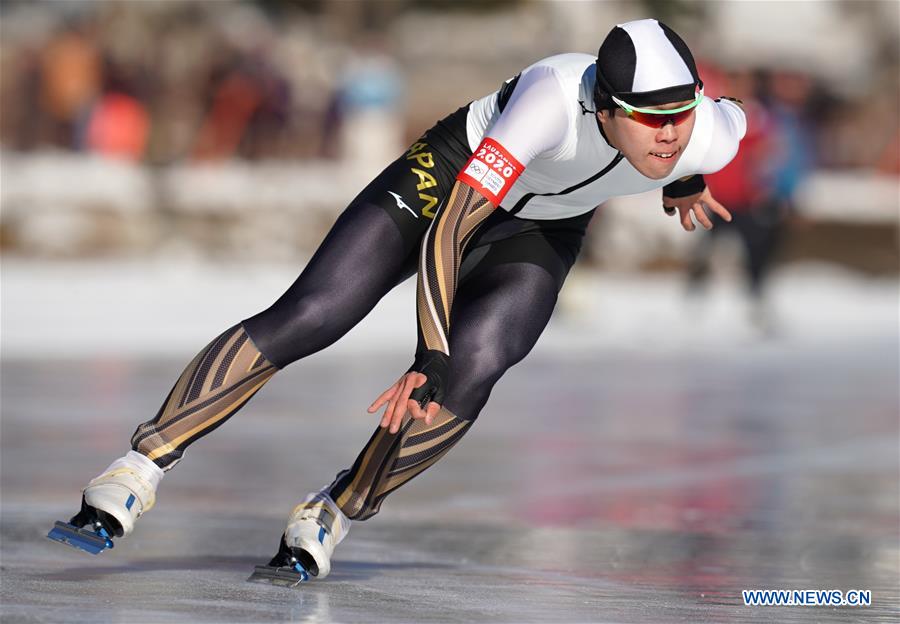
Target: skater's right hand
{"x":398,"y":402}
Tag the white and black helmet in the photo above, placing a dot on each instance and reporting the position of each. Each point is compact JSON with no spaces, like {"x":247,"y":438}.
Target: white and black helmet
{"x":645,"y":63}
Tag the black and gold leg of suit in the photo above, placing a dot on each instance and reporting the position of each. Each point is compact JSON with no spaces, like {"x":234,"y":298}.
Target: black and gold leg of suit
{"x":216,"y":384}
{"x":361,"y":259}
{"x":391,"y":459}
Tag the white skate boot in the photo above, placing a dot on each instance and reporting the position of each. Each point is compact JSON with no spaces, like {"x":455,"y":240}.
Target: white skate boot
{"x":111,"y":503}
{"x":125,"y":490}
{"x":314,"y":528}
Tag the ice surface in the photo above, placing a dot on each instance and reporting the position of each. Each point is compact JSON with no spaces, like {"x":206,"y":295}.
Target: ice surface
{"x":641,"y":465}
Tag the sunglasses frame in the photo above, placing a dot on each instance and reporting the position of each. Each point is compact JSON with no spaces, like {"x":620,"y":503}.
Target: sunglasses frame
{"x":629,"y":109}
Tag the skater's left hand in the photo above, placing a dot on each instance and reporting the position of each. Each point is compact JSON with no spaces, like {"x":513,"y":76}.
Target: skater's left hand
{"x":695,"y":203}
{"x":398,"y":402}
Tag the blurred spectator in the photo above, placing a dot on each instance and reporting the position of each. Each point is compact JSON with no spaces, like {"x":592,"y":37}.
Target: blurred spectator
{"x":793,"y":142}
{"x":365,"y":118}
{"x":248,"y":112}
{"x":758,"y":186}
{"x":118,"y":127}
{"x":70,"y":73}
{"x":889,"y":161}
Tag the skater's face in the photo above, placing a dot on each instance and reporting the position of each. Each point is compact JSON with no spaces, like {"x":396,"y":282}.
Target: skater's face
{"x":654,"y":152}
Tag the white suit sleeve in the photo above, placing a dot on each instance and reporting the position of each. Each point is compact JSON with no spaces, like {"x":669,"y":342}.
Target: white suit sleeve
{"x":536,"y":119}
{"x":729,"y":127}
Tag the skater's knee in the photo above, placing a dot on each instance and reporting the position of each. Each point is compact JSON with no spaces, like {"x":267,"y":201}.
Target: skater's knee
{"x":473,"y":375}
{"x":307,"y":317}
{"x":484,"y":362}
{"x":290,"y":330}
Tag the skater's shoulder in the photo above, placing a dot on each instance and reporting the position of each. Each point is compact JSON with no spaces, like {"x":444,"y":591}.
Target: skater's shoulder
{"x":566,"y":62}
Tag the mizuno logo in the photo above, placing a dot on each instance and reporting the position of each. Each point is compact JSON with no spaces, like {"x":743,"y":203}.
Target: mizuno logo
{"x":402,"y":204}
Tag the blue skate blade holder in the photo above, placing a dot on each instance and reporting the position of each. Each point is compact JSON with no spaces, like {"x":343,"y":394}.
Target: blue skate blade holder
{"x":283,"y":576}
{"x":89,"y":541}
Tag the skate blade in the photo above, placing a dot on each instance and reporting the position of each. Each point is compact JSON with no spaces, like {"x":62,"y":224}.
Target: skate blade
{"x":281,"y":576}
{"x":82,"y":539}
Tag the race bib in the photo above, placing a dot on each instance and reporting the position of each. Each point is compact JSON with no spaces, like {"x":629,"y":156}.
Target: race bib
{"x":491,"y":171}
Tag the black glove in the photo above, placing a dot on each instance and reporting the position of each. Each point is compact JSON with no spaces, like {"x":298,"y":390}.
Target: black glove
{"x":435,"y":365}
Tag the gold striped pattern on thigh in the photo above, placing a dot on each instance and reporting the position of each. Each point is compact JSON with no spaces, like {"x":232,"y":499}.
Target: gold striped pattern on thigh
{"x":216,"y":384}
{"x":445,"y":242}
{"x":390,"y":460}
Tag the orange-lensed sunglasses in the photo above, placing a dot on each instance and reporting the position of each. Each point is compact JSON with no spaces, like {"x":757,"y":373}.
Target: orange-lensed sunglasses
{"x":657,"y":118}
